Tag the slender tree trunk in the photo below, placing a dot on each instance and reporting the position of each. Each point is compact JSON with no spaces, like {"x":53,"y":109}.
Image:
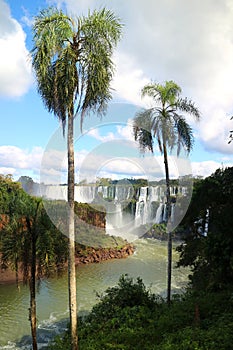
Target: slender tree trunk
{"x":168,"y":210}
{"x":17,"y":273}
{"x":32,"y":286}
{"x":71,"y":229}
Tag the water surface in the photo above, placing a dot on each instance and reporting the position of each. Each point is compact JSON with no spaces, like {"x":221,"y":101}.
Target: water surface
{"x":149,"y":262}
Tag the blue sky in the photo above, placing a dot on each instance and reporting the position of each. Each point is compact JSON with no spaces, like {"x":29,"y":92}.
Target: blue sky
{"x":188,"y":42}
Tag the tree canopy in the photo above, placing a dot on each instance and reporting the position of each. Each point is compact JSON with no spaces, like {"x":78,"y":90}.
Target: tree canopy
{"x":209,"y":244}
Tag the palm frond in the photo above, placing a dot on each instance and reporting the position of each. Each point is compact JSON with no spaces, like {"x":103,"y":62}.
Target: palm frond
{"x":151,"y":90}
{"x":101,"y":32}
{"x":72,"y":60}
{"x":230,"y":137}
{"x":171,"y":92}
{"x":166,"y":94}
{"x":142,"y":126}
{"x":184,"y":135}
{"x":189,"y":107}
{"x":168,"y":127}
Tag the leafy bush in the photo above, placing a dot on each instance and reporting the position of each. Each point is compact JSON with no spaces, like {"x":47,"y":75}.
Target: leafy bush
{"x":129,"y":316}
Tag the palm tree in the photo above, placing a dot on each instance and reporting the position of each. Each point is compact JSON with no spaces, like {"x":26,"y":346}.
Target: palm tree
{"x":165,"y":122}
{"x":72,"y":62}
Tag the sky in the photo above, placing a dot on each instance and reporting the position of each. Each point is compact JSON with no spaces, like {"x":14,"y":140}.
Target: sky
{"x":190,"y":42}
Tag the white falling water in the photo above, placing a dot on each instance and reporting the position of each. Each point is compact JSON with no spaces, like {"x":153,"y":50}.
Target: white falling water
{"x":85,"y":194}
{"x":159,"y":214}
{"x":116,"y":198}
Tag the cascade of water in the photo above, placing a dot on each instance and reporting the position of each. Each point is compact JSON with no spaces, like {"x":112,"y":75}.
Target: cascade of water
{"x":139,"y":214}
{"x":172,"y":212}
{"x":153,"y":194}
{"x":143,"y":194}
{"x":206,"y":229}
{"x":85,"y":194}
{"x":55,"y":192}
{"x":111,"y":192}
{"x":164,"y":213}
{"x":122,"y":193}
{"x":141,"y":208}
{"x":149,"y":206}
{"x":159,"y":214}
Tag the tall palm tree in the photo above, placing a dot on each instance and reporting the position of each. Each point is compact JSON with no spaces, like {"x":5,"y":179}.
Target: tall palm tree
{"x":73,"y":66}
{"x":168,"y":126}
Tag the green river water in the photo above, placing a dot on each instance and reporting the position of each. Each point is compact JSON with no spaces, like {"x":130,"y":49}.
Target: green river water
{"x":149,"y":262}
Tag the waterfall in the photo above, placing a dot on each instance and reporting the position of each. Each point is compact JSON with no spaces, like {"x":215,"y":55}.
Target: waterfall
{"x":85,"y":194}
{"x":54,"y":192}
{"x":159,"y":214}
{"x":139,"y":214}
{"x":127,"y":207}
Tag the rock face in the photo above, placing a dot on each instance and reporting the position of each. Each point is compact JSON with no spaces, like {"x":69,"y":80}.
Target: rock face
{"x":92,"y":255}
{"x":91,"y":214}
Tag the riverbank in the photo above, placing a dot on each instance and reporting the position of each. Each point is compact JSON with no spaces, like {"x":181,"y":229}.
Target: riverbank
{"x":88,"y":255}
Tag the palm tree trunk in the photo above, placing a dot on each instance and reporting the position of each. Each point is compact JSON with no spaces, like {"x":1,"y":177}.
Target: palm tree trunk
{"x":71,"y":230}
{"x":33,"y":294}
{"x":17,"y":273}
{"x":32,"y":284}
{"x":168,"y":210}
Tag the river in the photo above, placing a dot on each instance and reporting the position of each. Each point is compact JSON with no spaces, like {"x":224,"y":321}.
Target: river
{"x":149,"y":262}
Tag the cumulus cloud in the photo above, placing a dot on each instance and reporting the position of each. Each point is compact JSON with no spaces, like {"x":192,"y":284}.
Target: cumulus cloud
{"x":15,"y":67}
{"x":208,"y":167}
{"x":129,"y":79}
{"x":96,"y":135}
{"x":17,"y":161}
{"x":190,"y":42}
{"x":115,"y":159}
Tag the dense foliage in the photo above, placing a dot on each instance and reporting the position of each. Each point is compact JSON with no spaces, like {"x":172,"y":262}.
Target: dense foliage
{"x":129,"y":317}
{"x":208,"y":247}
{"x":24,"y":222}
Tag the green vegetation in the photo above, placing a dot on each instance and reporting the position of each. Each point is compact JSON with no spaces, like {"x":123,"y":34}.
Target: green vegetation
{"x":129,"y":316}
{"x":208,"y":247}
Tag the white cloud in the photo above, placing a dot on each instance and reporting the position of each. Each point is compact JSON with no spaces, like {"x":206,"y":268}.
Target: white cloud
{"x":7,"y":171}
{"x":208,"y":167}
{"x":126,"y":131}
{"x":15,"y":67}
{"x":96,"y":135}
{"x":129,"y":79}
{"x":190,"y":42}
{"x":51,"y":167}
{"x":16,"y":161}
